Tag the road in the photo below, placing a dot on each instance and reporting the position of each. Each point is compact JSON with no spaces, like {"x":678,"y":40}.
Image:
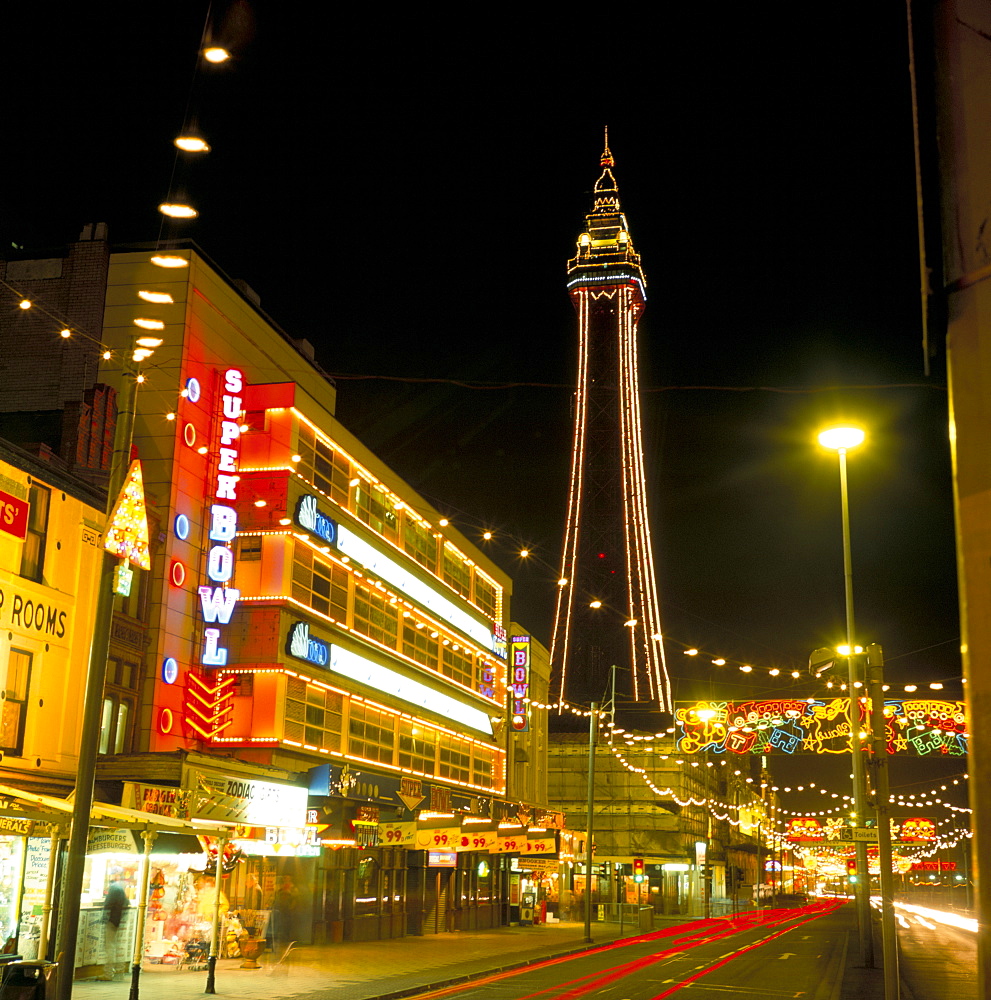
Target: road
{"x":938,"y":959}
{"x":780,"y":954}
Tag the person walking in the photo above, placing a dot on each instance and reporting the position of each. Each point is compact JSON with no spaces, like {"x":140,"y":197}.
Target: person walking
{"x":283,"y":910}
{"x":115,"y":903}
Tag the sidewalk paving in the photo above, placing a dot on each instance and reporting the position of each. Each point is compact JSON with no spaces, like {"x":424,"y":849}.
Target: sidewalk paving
{"x":365,"y":970}
{"x":387,"y":970}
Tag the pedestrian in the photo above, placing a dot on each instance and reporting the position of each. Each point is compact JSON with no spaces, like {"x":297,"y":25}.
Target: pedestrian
{"x":251,"y":906}
{"x":115,"y":903}
{"x":283,"y":909}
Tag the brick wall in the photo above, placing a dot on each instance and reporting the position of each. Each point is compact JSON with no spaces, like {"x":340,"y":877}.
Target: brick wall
{"x":39,"y":369}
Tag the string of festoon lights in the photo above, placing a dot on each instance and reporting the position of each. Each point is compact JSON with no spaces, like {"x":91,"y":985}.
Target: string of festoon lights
{"x":148,"y":328}
{"x":514,"y":546}
{"x":66,"y":330}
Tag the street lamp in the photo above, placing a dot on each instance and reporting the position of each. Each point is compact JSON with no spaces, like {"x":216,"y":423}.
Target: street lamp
{"x":90,"y":718}
{"x":842,"y":439}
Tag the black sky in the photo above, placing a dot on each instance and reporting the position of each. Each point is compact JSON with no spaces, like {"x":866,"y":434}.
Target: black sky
{"x":404,"y":190}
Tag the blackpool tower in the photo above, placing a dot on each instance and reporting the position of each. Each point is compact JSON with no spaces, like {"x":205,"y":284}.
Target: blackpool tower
{"x":607,"y":610}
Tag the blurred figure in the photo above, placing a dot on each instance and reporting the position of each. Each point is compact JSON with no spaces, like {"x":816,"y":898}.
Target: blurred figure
{"x":283,"y":908}
{"x":115,"y":903}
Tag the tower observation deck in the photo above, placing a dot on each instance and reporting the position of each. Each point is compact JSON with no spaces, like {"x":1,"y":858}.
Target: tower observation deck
{"x":607,"y":612}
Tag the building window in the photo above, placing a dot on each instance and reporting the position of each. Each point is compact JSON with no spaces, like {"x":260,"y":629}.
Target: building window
{"x":313,"y":715}
{"x":15,"y":705}
{"x":119,"y":699}
{"x":373,"y":507}
{"x":459,"y":666}
{"x":455,"y":758}
{"x":375,"y":617}
{"x":114,"y":728}
{"x":371,"y":733}
{"x":318,"y":583}
{"x":456,"y":573}
{"x":325,"y":467}
{"x":420,"y":544}
{"x":249,"y":548}
{"x":483,"y":766}
{"x":417,"y":747}
{"x":485,"y":595}
{"x":33,"y":554}
{"x":418,"y":645}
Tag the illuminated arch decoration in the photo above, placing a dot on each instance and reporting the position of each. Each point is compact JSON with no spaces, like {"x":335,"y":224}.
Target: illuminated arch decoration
{"x":919,"y":727}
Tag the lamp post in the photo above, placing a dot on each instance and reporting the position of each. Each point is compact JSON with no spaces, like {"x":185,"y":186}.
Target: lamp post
{"x":589,"y":815}
{"x":89,"y":739}
{"x":840,"y":440}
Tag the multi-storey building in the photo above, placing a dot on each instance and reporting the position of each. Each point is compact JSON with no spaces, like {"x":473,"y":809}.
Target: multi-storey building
{"x":316,"y":658}
{"x":51,"y":525}
{"x":310,"y":613}
{"x":696,"y":828}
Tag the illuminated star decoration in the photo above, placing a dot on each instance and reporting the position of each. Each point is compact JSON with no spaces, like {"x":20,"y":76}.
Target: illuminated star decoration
{"x":127,"y":533}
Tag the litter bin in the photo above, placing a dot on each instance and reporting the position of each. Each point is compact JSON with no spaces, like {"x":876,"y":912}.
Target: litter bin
{"x":24,"y":980}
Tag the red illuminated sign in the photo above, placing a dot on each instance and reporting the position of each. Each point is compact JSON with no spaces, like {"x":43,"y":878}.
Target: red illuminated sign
{"x":14,"y":515}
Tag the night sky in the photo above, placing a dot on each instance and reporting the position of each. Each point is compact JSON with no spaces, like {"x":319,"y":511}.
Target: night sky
{"x":404,"y":190}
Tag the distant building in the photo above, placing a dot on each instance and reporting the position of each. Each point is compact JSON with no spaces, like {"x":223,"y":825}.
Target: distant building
{"x":652,"y":805}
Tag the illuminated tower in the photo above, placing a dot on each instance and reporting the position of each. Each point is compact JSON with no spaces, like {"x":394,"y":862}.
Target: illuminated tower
{"x":607,"y":609}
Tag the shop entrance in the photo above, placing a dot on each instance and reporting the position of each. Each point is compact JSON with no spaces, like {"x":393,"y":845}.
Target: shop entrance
{"x":436,"y":902}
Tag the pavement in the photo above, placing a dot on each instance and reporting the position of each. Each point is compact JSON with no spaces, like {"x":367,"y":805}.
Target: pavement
{"x":388,"y":970}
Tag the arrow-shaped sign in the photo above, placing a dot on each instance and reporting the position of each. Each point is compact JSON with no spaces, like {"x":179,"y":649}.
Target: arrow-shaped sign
{"x":787,"y":954}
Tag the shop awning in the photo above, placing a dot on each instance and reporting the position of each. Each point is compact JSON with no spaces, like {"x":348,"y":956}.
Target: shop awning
{"x":49,"y":809}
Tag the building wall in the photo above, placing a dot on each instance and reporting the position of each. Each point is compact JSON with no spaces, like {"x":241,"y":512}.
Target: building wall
{"x":45,"y":622}
{"x":963,"y":91}
{"x":40,"y":369}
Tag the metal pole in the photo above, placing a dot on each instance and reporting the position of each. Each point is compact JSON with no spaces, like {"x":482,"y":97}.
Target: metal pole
{"x":20,"y":893}
{"x":863,"y":885}
{"x":72,"y":885}
{"x":588,"y":821}
{"x":46,"y":910}
{"x":139,"y":930}
{"x":707,"y":870}
{"x":889,"y":931}
{"x":211,"y":976}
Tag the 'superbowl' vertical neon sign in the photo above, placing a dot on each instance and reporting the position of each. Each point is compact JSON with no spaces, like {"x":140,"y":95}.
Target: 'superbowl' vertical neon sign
{"x":519,"y":683}
{"x":217,"y":599}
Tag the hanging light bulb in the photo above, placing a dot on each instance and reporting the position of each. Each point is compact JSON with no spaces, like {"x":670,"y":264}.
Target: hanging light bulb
{"x":192,"y":144}
{"x":175,"y":210}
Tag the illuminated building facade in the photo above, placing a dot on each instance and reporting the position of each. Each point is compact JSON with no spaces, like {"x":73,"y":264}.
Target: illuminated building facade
{"x":311,"y":615}
{"x":607,"y":570}
{"x":50,"y":529}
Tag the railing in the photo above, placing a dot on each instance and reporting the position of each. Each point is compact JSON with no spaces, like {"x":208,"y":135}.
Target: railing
{"x":638,"y":918}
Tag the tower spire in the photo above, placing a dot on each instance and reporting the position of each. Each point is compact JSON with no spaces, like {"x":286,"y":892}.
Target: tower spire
{"x":607,"y":157}
{"x":608,"y":552}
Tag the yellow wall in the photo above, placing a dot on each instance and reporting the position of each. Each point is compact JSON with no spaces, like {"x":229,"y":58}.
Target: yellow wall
{"x":59,"y":643}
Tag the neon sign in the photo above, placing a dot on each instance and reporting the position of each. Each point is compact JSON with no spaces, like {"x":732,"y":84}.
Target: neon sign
{"x":217,"y":601}
{"x":300,"y":645}
{"x":310,"y":517}
{"x":519,"y":683}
